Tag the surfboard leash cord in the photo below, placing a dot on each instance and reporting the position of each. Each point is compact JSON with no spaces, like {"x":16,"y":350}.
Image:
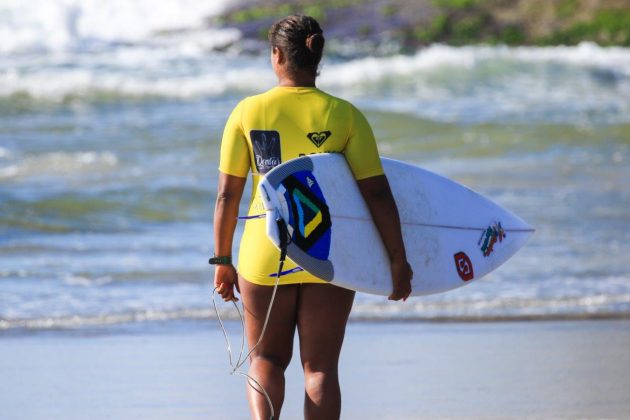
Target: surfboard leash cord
{"x":284,"y":243}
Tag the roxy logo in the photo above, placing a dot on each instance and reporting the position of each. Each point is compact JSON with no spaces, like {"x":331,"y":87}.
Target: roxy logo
{"x":318,"y":138}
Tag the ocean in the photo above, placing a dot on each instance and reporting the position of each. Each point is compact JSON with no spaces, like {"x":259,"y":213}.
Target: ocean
{"x":111,"y":115}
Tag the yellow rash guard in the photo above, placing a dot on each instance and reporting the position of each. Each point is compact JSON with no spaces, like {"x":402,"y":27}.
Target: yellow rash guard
{"x":274,"y":127}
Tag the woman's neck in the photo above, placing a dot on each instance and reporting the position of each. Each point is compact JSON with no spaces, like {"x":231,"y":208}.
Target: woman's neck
{"x":300,"y":79}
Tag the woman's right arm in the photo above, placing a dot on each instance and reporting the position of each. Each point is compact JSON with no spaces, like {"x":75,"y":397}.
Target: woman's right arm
{"x":229,"y":193}
{"x":380,"y":201}
{"x":362,"y":156}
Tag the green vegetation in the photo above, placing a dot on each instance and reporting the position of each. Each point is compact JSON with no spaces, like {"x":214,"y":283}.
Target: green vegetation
{"x":389,"y":10}
{"x":414,"y":23}
{"x":434,"y":31}
{"x":258,"y":12}
{"x":467,"y":28}
{"x":270,"y":10}
{"x":609,"y":27}
{"x":455,"y":4}
{"x":567,"y":8}
{"x":511,"y":35}
{"x":462,"y":22}
{"x":318,"y":12}
{"x":365,"y":30}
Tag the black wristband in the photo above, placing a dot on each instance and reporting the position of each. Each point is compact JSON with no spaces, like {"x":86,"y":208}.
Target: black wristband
{"x":226,"y":260}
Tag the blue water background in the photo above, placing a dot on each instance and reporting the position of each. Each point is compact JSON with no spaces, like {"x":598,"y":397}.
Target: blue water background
{"x":109,"y":150}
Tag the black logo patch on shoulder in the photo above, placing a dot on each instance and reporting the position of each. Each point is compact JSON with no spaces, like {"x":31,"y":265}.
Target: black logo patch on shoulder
{"x":266,"y":145}
{"x":318,"y":138}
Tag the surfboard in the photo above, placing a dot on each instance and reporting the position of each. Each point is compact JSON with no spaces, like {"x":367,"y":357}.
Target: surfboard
{"x":453,"y":235}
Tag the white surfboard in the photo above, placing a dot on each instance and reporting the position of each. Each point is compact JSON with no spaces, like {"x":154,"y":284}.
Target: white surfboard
{"x":452,"y":234}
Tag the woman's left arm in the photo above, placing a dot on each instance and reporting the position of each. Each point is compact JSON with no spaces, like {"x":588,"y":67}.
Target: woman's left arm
{"x":229,"y":195}
{"x":379,"y":199}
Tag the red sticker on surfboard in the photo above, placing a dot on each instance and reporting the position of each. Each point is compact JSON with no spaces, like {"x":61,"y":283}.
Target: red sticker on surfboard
{"x":464,"y":266}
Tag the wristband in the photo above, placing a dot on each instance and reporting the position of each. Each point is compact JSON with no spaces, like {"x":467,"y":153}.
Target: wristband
{"x":226,"y":260}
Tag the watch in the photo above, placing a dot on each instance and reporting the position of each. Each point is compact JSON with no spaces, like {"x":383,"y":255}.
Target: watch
{"x":226,"y":260}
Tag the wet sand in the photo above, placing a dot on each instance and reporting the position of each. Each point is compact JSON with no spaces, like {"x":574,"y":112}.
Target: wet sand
{"x":570,"y":369}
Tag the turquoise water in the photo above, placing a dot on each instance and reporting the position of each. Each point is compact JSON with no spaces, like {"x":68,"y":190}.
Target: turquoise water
{"x":109,"y":150}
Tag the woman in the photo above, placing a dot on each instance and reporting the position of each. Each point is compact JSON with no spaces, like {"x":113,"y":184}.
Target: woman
{"x":293,"y":119}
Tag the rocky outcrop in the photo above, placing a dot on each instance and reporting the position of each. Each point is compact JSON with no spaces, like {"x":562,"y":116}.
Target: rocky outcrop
{"x":386,"y":25}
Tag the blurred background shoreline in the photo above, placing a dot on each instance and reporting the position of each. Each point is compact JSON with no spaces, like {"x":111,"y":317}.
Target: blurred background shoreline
{"x":111,"y":116}
{"x":388,"y":26}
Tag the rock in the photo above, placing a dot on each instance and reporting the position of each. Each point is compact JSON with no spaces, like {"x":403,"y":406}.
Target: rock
{"x":386,"y":26}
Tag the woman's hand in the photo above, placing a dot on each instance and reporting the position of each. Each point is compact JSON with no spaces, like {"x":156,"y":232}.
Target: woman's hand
{"x":225,"y":278}
{"x":401,"y":280}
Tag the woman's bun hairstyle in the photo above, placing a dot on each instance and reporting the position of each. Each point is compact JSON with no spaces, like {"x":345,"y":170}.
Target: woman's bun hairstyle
{"x":301,"y":39}
{"x":315,"y":43}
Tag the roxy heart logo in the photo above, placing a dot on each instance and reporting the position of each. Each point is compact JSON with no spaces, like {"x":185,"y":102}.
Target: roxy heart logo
{"x":318,"y":138}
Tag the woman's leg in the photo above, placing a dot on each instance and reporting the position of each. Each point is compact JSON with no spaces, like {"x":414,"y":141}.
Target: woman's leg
{"x":272,"y":356}
{"x":323,"y":311}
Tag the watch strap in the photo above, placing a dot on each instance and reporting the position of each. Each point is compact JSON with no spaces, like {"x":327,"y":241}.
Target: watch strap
{"x":224,"y":260}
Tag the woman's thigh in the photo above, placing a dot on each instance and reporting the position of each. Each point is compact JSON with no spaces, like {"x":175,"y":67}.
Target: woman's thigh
{"x":323,"y":311}
{"x":277,"y":342}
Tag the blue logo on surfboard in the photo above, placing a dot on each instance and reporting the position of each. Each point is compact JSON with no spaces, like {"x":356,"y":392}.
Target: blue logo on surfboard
{"x":309,"y":216}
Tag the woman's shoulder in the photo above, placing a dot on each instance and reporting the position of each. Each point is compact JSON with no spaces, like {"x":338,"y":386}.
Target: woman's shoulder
{"x":334,"y":98}
{"x":256,"y":99}
{"x":340,"y":105}
{"x":248,"y":103}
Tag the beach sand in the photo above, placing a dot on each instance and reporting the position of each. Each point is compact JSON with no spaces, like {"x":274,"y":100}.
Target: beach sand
{"x":179,"y":370}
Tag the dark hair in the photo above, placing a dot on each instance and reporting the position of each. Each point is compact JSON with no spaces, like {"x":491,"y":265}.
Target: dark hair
{"x":301,"y":40}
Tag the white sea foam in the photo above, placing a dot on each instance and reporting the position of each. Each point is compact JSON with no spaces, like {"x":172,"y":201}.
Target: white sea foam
{"x":85,"y":281}
{"x":75,"y":321}
{"x":519,"y":305}
{"x":437,"y":57}
{"x":5,"y":153}
{"x":82,"y":83}
{"x":487,"y":82}
{"x":481,"y":83}
{"x":472,"y":310}
{"x":60,"y":25}
{"x":59,"y":164}
{"x":89,"y":49}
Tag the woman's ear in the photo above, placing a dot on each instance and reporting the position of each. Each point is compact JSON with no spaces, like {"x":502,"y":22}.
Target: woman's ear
{"x":278,"y":55}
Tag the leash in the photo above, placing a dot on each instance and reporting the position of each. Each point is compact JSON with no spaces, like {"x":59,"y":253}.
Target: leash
{"x":284,"y":243}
